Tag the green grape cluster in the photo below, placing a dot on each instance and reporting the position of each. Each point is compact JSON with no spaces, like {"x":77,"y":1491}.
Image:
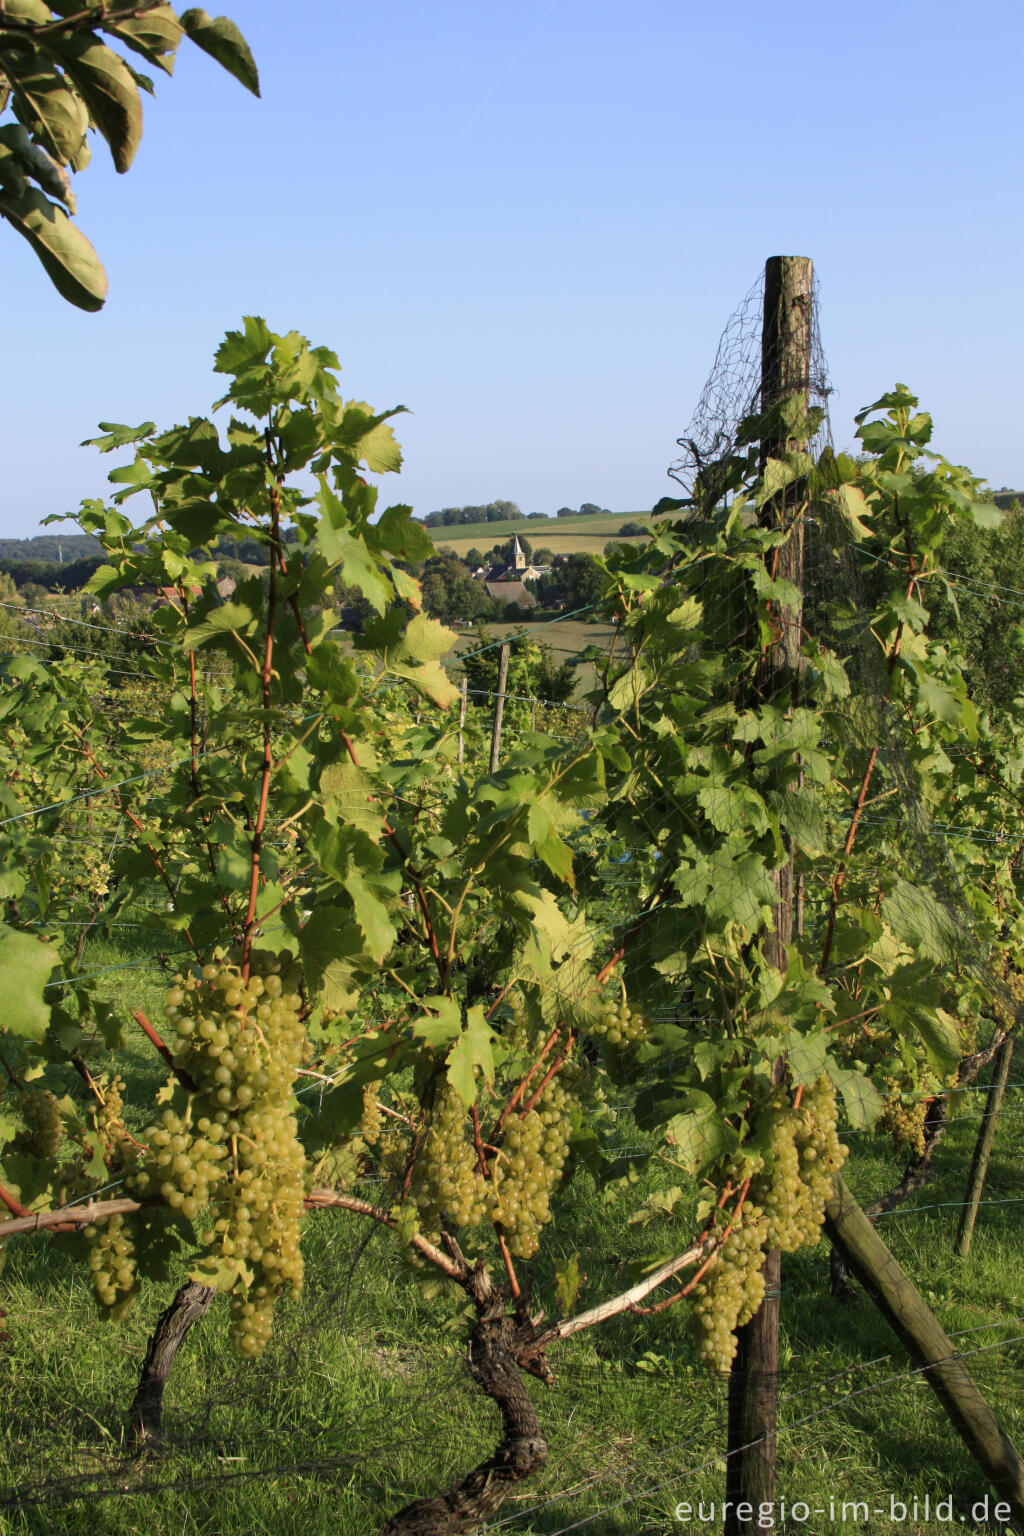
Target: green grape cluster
{"x":42,"y":1117}
{"x":445,"y":1181}
{"x":533,"y":1154}
{"x":112,"y":1264}
{"x":235,"y":1151}
{"x":784,"y":1209}
{"x":372,"y":1120}
{"x":732,"y":1290}
{"x":620,"y":1025}
{"x":805,"y":1153}
{"x":903,"y":1121}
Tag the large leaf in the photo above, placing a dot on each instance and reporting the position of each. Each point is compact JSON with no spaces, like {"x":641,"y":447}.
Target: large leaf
{"x":26,"y":964}
{"x":471,"y":1050}
{"x":67,"y":256}
{"x":220,"y":38}
{"x":155,"y":34}
{"x":107,"y":87}
{"x":860,"y":1096}
{"x":47,"y":106}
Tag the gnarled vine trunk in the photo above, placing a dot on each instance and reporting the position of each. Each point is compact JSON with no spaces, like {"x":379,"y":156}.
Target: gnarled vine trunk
{"x":494,"y":1345}
{"x":145,"y":1416}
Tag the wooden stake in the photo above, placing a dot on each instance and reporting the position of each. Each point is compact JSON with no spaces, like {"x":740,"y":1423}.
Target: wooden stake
{"x":499,"y":707}
{"x":983,"y":1149}
{"x":754,"y":1378}
{"x":463,"y":688}
{"x":899,"y":1301}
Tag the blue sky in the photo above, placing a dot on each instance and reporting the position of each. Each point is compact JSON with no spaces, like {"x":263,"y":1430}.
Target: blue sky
{"x":529,"y":222}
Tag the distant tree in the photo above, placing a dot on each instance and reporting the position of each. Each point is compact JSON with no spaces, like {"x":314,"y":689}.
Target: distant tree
{"x":580,"y":581}
{"x":633,"y":530}
{"x":532,"y":673}
{"x":566,"y":512}
{"x":543,"y":557}
{"x":474,"y":558}
{"x":493,"y":512}
{"x":450,"y":592}
{"x":591,"y":509}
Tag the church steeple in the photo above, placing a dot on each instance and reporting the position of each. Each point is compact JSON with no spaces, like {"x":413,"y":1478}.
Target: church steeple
{"x":518,"y":555}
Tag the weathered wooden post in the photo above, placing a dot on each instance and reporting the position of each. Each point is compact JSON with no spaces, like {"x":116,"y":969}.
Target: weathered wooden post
{"x":499,"y":707}
{"x":897,"y":1298}
{"x":785,"y":370}
{"x":983,"y":1149}
{"x":463,"y":691}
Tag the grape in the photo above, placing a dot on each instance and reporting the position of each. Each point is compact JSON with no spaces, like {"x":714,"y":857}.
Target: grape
{"x":42,"y":1117}
{"x":112,"y":1264}
{"x":235,"y":1150}
{"x":784,"y":1209}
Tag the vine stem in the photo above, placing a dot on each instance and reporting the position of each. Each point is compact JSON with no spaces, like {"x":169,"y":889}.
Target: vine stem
{"x":514,"y":1100}
{"x":267,"y":766}
{"x":616,"y":1304}
{"x":165,"y":1051}
{"x":549,"y":1074}
{"x":14,"y":1206}
{"x":712,"y":1257}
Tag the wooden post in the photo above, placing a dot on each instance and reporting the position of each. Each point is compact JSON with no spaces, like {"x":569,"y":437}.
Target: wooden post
{"x":897,"y":1298}
{"x":785,"y":368}
{"x":499,"y":707}
{"x":463,"y":690}
{"x":983,"y":1149}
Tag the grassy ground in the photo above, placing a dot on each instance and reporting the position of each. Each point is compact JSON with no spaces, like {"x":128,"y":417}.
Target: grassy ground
{"x":362,"y":1400}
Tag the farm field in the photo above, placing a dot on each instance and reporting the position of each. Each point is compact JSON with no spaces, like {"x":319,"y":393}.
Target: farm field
{"x":563,"y":535}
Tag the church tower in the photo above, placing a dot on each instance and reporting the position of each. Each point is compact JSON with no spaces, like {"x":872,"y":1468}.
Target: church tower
{"x":518,"y":556}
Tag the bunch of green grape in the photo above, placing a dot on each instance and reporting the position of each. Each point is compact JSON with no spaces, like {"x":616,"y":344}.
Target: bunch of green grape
{"x":619,"y":1024}
{"x":112,"y":1264}
{"x":784,"y":1209}
{"x":805,"y":1153}
{"x":372,"y":1119}
{"x":42,"y":1119}
{"x":446,"y":1184}
{"x":732,"y":1289}
{"x":235,"y":1149}
{"x":534,"y":1150}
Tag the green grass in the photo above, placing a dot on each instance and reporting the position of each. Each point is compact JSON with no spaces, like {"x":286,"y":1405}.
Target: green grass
{"x":362,"y":1400}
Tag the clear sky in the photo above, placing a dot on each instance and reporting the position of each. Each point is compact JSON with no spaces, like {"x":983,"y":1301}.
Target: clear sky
{"x":529,"y":221}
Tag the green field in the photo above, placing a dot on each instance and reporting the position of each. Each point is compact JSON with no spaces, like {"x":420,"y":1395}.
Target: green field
{"x":563,"y":535}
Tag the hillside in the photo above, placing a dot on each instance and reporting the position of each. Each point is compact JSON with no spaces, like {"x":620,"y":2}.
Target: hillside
{"x":563,"y":535}
{"x":51,"y":548}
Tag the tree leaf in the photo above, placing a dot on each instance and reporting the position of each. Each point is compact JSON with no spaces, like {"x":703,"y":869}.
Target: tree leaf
{"x":220,"y":38}
{"x":67,"y":256}
{"x":860,"y":1096}
{"x":372,"y":916}
{"x":105,"y":84}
